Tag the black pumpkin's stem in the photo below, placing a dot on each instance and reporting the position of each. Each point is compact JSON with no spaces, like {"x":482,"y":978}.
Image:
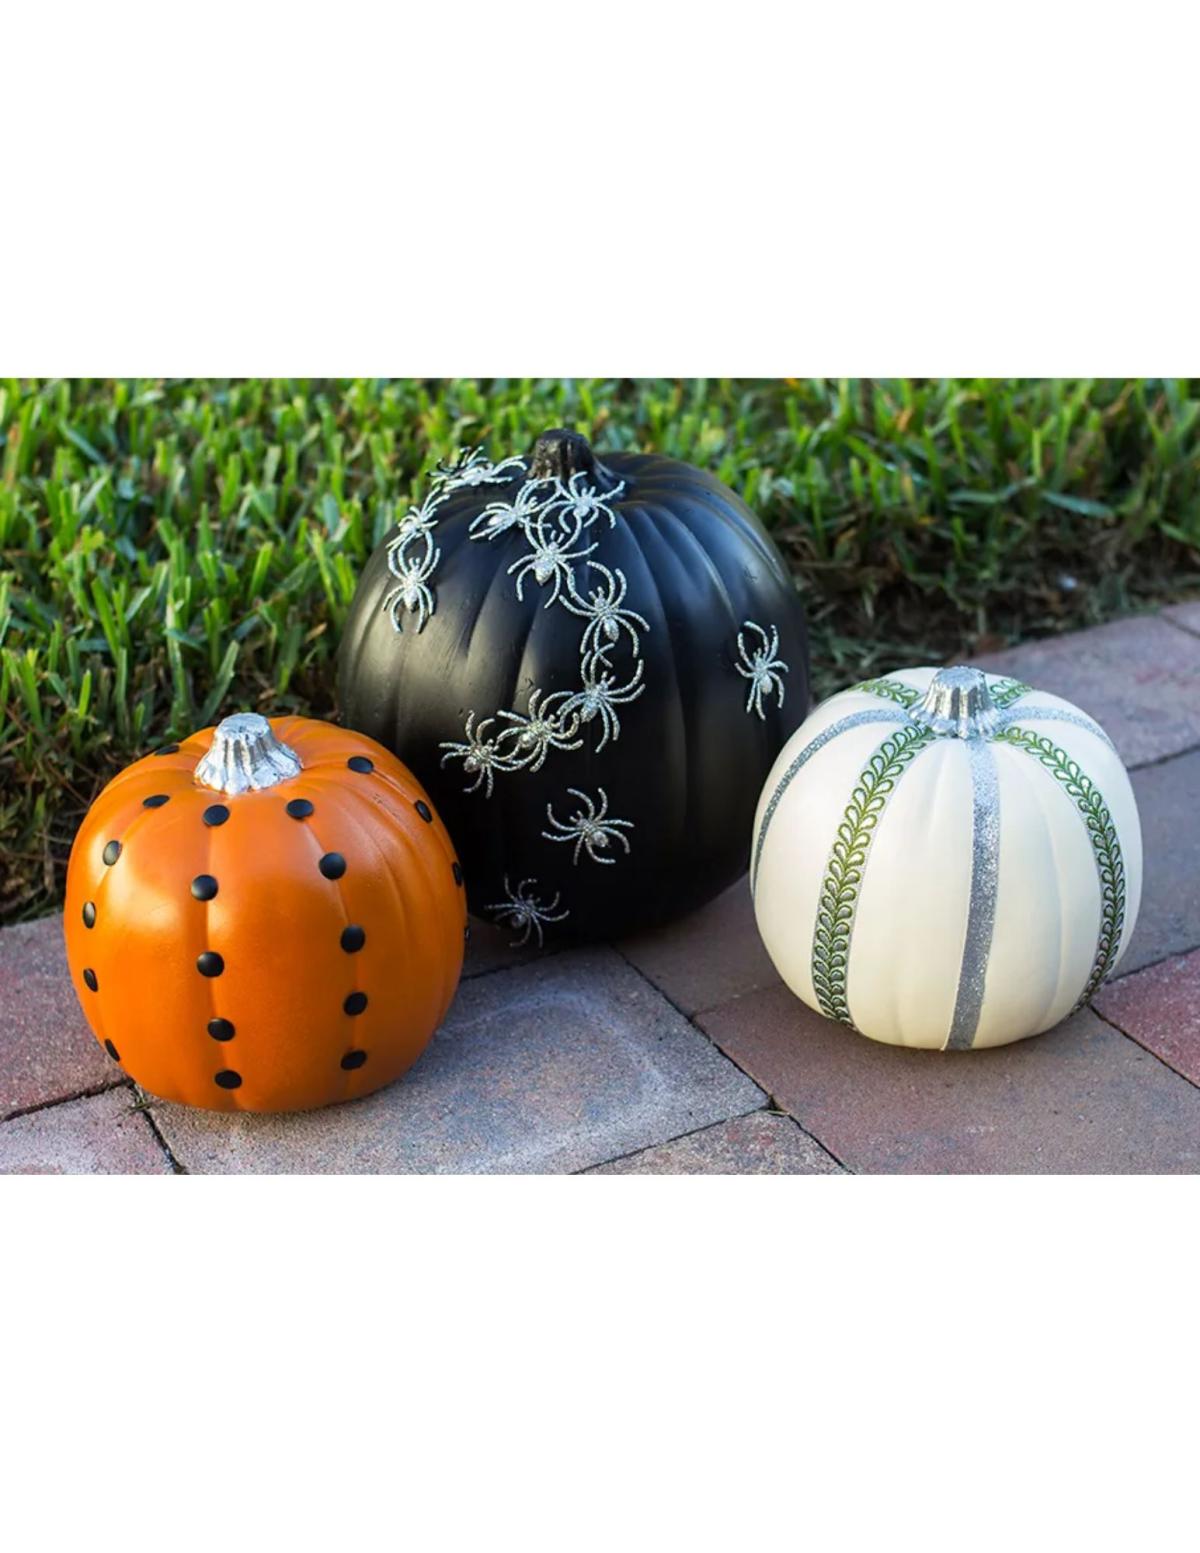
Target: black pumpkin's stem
{"x":559,"y":454}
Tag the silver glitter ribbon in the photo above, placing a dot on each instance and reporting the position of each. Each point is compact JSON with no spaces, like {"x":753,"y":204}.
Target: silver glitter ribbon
{"x":835,"y":730}
{"x":1052,"y":714}
{"x":981,"y":910}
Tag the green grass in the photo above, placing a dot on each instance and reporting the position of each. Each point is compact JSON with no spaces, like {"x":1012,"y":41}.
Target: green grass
{"x":168,"y":549}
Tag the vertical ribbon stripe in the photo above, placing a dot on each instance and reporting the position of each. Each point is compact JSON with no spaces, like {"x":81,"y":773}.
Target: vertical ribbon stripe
{"x":981,"y":912}
{"x":1102,"y":833}
{"x":854,"y":720}
{"x":842,"y":883}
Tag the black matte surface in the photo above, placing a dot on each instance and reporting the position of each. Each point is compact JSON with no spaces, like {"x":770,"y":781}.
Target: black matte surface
{"x":690,"y":761}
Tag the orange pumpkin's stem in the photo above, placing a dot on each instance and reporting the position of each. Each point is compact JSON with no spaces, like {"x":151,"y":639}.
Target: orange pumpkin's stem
{"x":246,"y":756}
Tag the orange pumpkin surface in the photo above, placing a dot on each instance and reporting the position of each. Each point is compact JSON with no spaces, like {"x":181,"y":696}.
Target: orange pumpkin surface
{"x":269,"y":947}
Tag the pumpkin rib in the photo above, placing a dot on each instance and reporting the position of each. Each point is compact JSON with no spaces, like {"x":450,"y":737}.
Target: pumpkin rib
{"x":664,"y":525}
{"x":501,"y":581}
{"x":228,"y":1098}
{"x":414,"y":828}
{"x":132,"y":775}
{"x":181,"y":821}
{"x":415,"y":857}
{"x":410,"y":830}
{"x":363,"y":832}
{"x":1040,"y":794}
{"x":333,"y":765}
{"x":675,"y":533}
{"x":346,"y":1081}
{"x":710,"y":501}
{"x":845,"y":872}
{"x":677,"y":700}
{"x":1106,"y":853}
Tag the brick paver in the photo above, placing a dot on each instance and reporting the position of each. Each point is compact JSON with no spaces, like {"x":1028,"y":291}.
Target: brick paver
{"x":1169,"y":919}
{"x":761,"y":1144}
{"x":102,"y":1135}
{"x":549,"y":1067}
{"x":711,"y":956}
{"x":1185,"y":615}
{"x":1160,"y":1009}
{"x":1139,"y":678}
{"x":47,"y":1051}
{"x":1081,"y":1098}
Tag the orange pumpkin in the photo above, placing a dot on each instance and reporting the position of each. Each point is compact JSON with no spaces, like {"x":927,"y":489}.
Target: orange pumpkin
{"x":267,"y":917}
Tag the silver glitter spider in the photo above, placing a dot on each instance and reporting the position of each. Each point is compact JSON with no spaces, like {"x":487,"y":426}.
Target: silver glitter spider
{"x":550,"y":557}
{"x":761,"y":667}
{"x":576,"y":499}
{"x":412,"y":576}
{"x":590,"y":828}
{"x":418,"y":520}
{"x":599,"y":695}
{"x":602,"y":609}
{"x":539,"y":730}
{"x":481,"y":756}
{"x":522,"y":910}
{"x":473,"y":467}
{"x":499,"y":517}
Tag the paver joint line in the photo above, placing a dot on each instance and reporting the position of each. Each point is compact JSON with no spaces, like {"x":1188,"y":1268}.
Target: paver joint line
{"x":1141,"y":1045}
{"x":772,"y":1102}
{"x":48,"y":1105}
{"x":1180,"y":625}
{"x":692,"y":1132}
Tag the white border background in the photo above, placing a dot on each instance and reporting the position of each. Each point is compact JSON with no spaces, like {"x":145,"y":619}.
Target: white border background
{"x":623,"y":189}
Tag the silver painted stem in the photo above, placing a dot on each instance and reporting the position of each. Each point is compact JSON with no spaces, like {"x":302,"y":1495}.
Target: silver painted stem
{"x":245,"y":756}
{"x":957,"y":701}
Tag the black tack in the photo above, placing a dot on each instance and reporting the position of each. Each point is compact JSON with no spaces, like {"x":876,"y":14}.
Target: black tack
{"x":228,"y":1079}
{"x":361,"y":764}
{"x":355,"y":1003}
{"x":467,"y":934}
{"x":216,"y":814}
{"x":89,"y":980}
{"x":112,"y":1051}
{"x":112,"y":852}
{"x":156,"y":800}
{"x":221,"y":1029}
{"x":457,"y":871}
{"x":89,"y":914}
{"x":332,"y":865}
{"x":424,"y":811}
{"x":204,"y":887}
{"x":354,"y":1059}
{"x":353,"y":938}
{"x":299,"y":808}
{"x":168,"y":749}
{"x":210,"y":963}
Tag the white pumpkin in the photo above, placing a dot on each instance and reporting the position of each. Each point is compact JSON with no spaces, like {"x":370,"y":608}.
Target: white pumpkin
{"x":947,"y":859}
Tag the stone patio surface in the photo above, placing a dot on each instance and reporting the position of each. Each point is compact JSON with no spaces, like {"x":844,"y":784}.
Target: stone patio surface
{"x":681,"y":1053}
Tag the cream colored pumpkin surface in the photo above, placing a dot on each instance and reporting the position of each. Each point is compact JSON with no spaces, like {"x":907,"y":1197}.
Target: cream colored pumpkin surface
{"x":945,"y":858}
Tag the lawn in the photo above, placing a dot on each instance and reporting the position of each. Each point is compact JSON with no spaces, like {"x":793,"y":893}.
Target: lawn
{"x":172,"y":548}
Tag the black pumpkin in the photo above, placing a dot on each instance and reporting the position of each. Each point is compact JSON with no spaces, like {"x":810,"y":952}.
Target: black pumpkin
{"x":591,"y":668}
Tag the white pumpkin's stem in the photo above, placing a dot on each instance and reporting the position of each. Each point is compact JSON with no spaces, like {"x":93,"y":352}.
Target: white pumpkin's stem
{"x":958,"y":702}
{"x":245,"y":755}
